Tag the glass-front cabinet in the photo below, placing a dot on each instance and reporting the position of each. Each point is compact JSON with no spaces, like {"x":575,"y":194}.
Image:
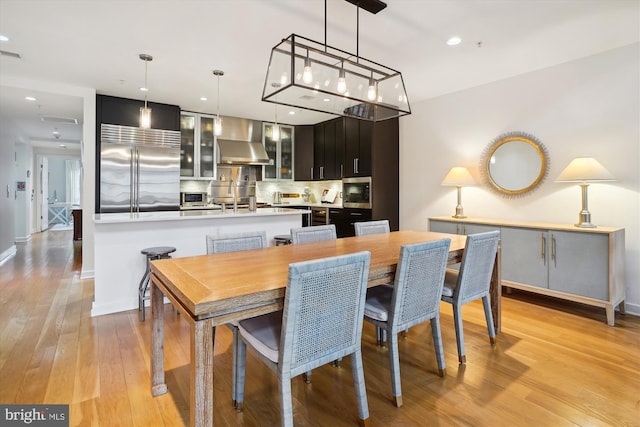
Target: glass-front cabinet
{"x":280,"y":151}
{"x":187,"y":145}
{"x":197,"y":149}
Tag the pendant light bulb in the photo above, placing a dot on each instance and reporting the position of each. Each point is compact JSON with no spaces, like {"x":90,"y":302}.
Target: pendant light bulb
{"x":342,"y":82}
{"x":217,"y":122}
{"x":217,"y":126}
{"x":372,"y":93}
{"x":145,"y":112}
{"x":307,"y":75}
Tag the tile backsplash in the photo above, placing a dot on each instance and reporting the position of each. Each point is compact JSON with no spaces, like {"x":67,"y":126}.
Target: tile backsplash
{"x":265,"y":189}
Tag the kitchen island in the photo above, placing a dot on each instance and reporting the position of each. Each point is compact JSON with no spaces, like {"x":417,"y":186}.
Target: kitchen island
{"x":119,"y":238}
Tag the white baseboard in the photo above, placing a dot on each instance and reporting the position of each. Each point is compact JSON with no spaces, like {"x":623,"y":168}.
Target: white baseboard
{"x":6,"y":255}
{"x":632,"y":308}
{"x":87,"y":274}
{"x":118,"y":306}
{"x":23,"y":239}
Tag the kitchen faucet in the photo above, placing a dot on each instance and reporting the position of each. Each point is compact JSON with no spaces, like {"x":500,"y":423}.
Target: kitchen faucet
{"x":232,"y":183}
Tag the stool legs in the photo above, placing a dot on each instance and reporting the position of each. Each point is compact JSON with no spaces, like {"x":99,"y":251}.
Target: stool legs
{"x":143,"y":287}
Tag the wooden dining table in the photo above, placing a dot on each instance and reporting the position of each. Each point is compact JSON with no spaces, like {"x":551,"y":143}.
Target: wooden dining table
{"x":211,"y":290}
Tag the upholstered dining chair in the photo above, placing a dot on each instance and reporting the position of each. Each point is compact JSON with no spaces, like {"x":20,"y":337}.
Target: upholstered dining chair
{"x":363,"y":228}
{"x":413,"y":299}
{"x":321,"y":322}
{"x":232,"y":242}
{"x":471,"y":282}
{"x":315,"y":233}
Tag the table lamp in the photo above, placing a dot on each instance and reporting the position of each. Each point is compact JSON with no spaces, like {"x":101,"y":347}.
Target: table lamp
{"x":585,"y":170}
{"x":459,"y":177}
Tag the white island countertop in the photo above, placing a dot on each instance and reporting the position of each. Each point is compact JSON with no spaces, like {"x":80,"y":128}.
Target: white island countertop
{"x":126,"y":217}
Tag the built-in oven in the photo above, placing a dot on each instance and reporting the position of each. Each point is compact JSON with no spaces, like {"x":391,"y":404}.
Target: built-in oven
{"x":356,"y":192}
{"x":191,"y":199}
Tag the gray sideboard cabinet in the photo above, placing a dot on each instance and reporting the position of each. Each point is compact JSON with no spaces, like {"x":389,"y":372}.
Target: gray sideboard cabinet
{"x":558,"y":260}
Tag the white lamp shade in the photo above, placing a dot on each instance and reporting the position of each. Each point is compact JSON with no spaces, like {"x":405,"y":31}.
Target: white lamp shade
{"x":584,"y":169}
{"x":459,"y":176}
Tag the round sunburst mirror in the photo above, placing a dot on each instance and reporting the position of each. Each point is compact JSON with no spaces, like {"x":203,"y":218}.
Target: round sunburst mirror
{"x":514,"y":164}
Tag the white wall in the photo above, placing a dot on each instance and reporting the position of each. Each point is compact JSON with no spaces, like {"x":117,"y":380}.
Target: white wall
{"x":22,"y":213}
{"x":7,"y":178}
{"x":588,"y":107}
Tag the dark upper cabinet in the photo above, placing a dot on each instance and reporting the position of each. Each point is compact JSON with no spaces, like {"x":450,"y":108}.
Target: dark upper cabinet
{"x":358,"y":147}
{"x":318,"y":151}
{"x":126,"y":112}
{"x":304,"y":155}
{"x":328,"y":143}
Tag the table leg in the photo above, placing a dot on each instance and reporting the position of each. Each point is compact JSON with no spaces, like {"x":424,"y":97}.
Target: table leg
{"x":495,"y":290}
{"x":158,"y":385}
{"x":201,"y":395}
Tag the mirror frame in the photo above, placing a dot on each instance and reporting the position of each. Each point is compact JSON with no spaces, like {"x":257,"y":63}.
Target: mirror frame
{"x":503,"y":139}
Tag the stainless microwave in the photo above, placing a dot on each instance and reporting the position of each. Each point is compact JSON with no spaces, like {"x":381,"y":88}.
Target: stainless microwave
{"x":356,"y":192}
{"x":190,"y":199}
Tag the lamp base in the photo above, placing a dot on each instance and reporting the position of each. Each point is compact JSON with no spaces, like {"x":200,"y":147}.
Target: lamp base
{"x":458,"y":216}
{"x":584,"y":218}
{"x":585,"y":225}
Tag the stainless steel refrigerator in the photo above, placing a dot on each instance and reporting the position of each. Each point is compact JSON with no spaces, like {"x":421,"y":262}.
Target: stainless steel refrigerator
{"x":139,"y":169}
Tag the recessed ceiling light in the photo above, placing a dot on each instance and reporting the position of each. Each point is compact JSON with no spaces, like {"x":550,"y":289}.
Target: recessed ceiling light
{"x":203,"y":98}
{"x":454,"y":41}
{"x":30,"y":98}
{"x":292,"y":112}
{"x":144,"y":89}
{"x":62,"y":146}
{"x":326,"y":100}
{"x":3,"y":38}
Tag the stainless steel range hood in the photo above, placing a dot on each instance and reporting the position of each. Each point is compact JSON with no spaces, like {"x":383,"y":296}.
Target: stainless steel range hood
{"x":241,"y":142}
{"x":242,"y":153}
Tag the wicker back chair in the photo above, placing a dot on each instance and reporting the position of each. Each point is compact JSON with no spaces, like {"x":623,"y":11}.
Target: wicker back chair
{"x":371,"y":227}
{"x":472,"y":282}
{"x":316,"y":233}
{"x":364,"y":228}
{"x":321,"y":322}
{"x":414,"y":299}
{"x":233,"y":242}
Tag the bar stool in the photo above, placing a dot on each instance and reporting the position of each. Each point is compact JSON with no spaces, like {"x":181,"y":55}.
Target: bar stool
{"x":282,"y":239}
{"x":151,"y":254}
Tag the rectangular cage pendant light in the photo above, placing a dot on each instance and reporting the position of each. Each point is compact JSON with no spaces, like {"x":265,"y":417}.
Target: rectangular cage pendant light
{"x":307,"y":74}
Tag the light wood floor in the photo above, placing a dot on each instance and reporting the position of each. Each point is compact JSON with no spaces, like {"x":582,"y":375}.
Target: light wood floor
{"x":555,"y":364}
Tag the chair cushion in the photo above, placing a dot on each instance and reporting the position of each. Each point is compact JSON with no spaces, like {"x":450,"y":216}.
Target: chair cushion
{"x":263,"y":333}
{"x":378,"y":302}
{"x":450,"y":282}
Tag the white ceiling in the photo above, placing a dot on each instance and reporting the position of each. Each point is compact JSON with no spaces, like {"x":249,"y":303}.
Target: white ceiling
{"x":96,"y":43}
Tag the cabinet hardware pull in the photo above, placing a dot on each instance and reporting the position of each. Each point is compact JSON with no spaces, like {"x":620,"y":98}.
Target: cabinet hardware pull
{"x":553,"y":251}
{"x":321,"y":172}
{"x":312,"y":174}
{"x":543,"y":247}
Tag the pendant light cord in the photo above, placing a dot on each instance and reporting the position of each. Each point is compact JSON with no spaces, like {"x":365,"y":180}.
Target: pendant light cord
{"x":358,"y":34}
{"x":146,"y":86}
{"x":325,"y":25}
{"x":218,"y":98}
